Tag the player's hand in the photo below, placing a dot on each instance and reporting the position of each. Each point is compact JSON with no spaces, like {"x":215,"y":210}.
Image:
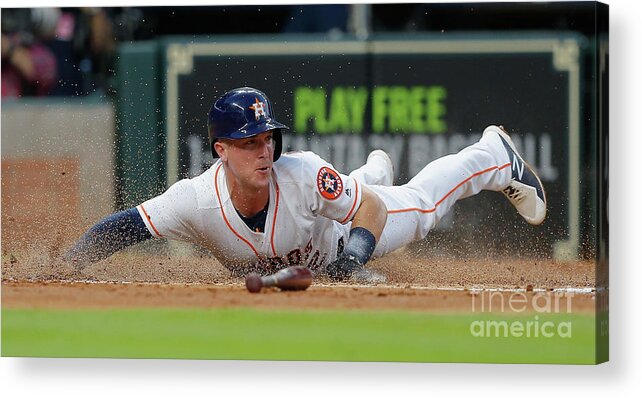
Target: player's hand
{"x":342,"y":268}
{"x":347,"y":267}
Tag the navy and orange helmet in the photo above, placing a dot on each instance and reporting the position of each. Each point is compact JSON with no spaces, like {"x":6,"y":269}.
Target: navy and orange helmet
{"x":242,"y":113}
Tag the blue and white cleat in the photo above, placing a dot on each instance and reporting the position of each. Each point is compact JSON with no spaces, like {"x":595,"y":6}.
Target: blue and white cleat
{"x":525,"y":190}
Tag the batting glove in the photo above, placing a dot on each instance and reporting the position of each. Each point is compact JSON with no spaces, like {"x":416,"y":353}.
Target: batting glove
{"x":347,"y":267}
{"x":343,"y":267}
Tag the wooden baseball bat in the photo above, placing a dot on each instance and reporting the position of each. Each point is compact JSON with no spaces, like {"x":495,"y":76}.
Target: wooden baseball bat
{"x":291,"y":278}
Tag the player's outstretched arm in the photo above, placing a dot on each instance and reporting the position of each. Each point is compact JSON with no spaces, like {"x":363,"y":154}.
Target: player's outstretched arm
{"x":367,"y":226}
{"x":109,"y":235}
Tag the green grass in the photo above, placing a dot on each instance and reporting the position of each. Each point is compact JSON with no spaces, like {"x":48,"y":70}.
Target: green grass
{"x":240,"y":333}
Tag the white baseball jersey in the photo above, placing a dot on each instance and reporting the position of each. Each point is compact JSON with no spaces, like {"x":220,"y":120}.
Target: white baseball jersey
{"x":312,"y":205}
{"x":310,"y":208}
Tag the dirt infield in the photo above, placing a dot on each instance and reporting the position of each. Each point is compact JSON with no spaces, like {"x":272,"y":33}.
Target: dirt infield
{"x":34,"y":280}
{"x":119,"y":295}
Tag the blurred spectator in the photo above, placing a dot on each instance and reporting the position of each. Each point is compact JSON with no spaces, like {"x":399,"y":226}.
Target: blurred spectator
{"x":28,"y":66}
{"x":84,"y":46}
{"x":79,"y":40}
{"x":131,"y":23}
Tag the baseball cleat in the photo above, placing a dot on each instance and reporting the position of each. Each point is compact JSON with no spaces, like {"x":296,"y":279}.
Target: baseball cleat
{"x":525,"y":190}
{"x":380,"y":156}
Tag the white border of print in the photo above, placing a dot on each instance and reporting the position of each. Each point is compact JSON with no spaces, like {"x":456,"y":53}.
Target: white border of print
{"x":110,"y":378}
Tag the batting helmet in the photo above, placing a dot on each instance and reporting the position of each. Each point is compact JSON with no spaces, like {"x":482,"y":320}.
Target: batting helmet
{"x":241,"y":113}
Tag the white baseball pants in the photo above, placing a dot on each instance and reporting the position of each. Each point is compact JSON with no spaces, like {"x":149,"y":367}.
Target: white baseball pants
{"x":416,"y":207}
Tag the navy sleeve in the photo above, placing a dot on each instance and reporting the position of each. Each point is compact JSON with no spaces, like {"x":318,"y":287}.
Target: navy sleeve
{"x":111,"y":234}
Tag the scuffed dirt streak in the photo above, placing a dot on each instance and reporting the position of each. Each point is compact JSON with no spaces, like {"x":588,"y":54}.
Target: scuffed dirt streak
{"x":36,"y":279}
{"x":120,"y":295}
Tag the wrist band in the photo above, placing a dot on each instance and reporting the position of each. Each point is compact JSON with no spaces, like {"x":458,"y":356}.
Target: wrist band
{"x":361,"y":245}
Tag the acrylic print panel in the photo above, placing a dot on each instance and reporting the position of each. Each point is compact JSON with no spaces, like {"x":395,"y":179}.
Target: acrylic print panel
{"x":108,"y":268}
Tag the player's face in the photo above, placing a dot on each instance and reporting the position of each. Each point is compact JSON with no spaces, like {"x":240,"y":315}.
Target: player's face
{"x":250,"y":159}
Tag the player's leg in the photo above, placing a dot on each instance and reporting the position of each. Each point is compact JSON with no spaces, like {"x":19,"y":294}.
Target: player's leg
{"x":416,"y":207}
{"x":376,"y":171}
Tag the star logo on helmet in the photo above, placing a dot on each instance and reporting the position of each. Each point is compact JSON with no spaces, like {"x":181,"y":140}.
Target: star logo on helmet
{"x":259,"y":108}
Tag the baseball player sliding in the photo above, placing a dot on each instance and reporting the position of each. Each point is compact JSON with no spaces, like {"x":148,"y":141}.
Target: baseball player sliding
{"x":259,"y":210}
